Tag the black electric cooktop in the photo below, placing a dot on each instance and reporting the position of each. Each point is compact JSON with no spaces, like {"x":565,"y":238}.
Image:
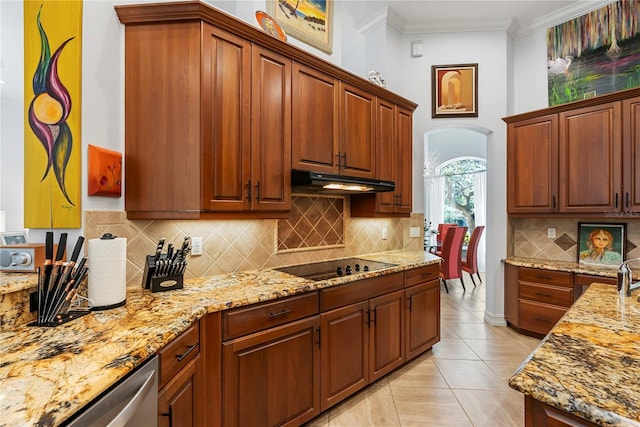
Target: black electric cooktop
{"x":334,"y":268}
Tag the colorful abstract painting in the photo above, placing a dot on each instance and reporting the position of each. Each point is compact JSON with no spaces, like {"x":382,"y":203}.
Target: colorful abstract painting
{"x":594,"y":54}
{"x":307,"y":20}
{"x":52,"y":147}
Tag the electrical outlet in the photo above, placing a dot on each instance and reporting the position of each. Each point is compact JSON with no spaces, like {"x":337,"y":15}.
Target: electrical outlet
{"x":414,"y":231}
{"x":196,"y":246}
{"x":551,"y":233}
{"x":385,"y":233}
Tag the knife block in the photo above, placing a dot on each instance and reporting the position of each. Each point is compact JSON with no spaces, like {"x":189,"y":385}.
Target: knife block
{"x":160,"y":282}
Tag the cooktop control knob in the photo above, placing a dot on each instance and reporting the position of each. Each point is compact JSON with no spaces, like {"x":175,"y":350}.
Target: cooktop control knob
{"x":357,"y":267}
{"x":339,"y":271}
{"x":348,"y":269}
{"x":366,"y":268}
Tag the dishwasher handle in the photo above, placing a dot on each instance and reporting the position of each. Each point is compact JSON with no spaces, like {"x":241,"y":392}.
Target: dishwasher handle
{"x":123,"y":417}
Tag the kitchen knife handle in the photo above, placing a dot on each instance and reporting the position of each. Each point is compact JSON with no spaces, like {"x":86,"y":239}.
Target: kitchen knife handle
{"x":62,"y":245}
{"x":76,"y":249}
{"x":48,"y":247}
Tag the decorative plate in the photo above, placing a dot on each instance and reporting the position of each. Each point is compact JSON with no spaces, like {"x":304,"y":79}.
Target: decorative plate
{"x":269,"y":25}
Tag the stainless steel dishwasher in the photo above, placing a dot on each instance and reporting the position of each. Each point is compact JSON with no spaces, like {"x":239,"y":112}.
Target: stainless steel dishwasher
{"x":131,"y":402}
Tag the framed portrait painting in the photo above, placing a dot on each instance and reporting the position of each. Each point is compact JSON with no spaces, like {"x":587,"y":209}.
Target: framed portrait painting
{"x":310,"y":21}
{"x":602,"y":244}
{"x":454,"y":90}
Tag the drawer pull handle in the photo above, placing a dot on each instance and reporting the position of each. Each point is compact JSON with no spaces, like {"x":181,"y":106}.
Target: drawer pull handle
{"x":543,"y":319}
{"x":170,"y":415}
{"x":544,"y":277}
{"x":542,"y":294}
{"x":282,"y":313}
{"x":183,"y":355}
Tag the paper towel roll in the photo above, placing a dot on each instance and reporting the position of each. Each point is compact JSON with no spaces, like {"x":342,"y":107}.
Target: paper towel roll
{"x":107,"y":287}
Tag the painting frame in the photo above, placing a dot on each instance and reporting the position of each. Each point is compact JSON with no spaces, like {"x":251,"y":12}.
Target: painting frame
{"x":611,"y":255}
{"x":463,"y":102}
{"x":316,"y":34}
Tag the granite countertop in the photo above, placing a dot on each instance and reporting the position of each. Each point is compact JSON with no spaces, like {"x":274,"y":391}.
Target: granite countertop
{"x":589,"y":363}
{"x":575,"y":267}
{"x":48,"y":374}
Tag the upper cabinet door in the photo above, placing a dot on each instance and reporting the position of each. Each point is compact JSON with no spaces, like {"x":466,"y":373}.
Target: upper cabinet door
{"x":532,"y":165}
{"x":631,"y":154}
{"x":591,"y":159}
{"x":387,"y":154}
{"x":315,"y":115}
{"x":226,"y":121}
{"x":358,"y":129}
{"x":271,"y":131}
{"x":404,"y":176}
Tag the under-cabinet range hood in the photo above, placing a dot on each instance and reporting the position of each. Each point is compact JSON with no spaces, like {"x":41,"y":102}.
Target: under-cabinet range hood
{"x":303,"y":181}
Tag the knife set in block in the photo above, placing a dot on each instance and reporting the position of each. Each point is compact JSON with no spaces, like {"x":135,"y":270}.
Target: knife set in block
{"x":58,"y":283}
{"x":164,"y":271}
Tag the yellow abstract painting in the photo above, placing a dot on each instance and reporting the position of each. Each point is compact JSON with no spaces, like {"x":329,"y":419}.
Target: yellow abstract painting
{"x":52,"y":144}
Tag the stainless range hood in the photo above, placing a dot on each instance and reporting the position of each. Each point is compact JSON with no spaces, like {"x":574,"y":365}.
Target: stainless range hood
{"x":303,"y":181}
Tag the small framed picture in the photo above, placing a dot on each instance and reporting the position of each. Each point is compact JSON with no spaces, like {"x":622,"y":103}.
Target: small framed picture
{"x":602,"y":244}
{"x":454,"y":90}
{"x":13,"y":238}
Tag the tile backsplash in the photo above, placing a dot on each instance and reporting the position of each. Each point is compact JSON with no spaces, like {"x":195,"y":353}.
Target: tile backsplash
{"x":529,"y":237}
{"x":239,"y":245}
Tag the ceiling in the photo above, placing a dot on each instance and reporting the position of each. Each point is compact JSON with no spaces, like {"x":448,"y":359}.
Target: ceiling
{"x":517,"y":16}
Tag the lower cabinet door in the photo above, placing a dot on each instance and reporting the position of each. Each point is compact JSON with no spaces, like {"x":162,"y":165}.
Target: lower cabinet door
{"x":344,"y":349}
{"x":386,"y":322}
{"x":271,"y":378}
{"x":423,"y":318}
{"x":180,"y":402}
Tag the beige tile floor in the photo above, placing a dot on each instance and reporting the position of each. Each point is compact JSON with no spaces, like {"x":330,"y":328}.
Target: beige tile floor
{"x":462,"y":381}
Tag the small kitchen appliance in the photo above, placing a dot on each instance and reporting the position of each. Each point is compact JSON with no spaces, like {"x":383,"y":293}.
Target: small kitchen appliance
{"x":21,"y":257}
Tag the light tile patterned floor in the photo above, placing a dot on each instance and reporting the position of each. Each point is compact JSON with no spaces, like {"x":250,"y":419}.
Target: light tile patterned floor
{"x":462,"y":381}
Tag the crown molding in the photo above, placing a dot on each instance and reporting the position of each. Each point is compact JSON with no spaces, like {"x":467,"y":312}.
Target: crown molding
{"x":387,"y":16}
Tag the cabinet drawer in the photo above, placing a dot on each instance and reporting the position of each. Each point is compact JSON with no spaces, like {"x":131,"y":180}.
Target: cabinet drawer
{"x":540,"y":318}
{"x":360,"y":290}
{"x":246,"y":320}
{"x":547,"y":277}
{"x":421,"y":275}
{"x":175,"y":355}
{"x":557,"y":295}
{"x":588,"y":279}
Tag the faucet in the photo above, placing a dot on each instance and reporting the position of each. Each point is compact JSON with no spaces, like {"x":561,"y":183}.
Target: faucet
{"x":625,"y":279}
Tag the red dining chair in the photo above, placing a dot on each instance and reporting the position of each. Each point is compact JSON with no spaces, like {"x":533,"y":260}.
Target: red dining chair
{"x":470,"y":265}
{"x":451,"y":267}
{"x":442,"y":231}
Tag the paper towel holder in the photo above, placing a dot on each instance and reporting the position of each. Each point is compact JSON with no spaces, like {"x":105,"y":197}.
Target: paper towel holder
{"x":95,"y":307}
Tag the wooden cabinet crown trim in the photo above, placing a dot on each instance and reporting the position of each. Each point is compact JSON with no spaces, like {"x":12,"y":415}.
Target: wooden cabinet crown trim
{"x":602,"y":99}
{"x":196,"y":10}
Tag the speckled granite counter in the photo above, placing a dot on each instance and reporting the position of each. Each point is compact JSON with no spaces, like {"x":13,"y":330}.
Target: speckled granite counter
{"x":574,"y":267}
{"x":48,"y":374}
{"x":589,"y":363}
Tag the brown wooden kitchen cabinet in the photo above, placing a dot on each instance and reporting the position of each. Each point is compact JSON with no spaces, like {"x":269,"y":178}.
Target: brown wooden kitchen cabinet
{"x":394,"y":140}
{"x":532,"y":165}
{"x":316,"y":118}
{"x":538,"y":414}
{"x":535,"y":298}
{"x":181,"y":392}
{"x":631,"y":154}
{"x":271,"y":362}
{"x":207,"y":122}
{"x":590,"y":159}
{"x":422,"y":307}
{"x":579,"y":158}
{"x":361,"y":341}
{"x":356,"y":156}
